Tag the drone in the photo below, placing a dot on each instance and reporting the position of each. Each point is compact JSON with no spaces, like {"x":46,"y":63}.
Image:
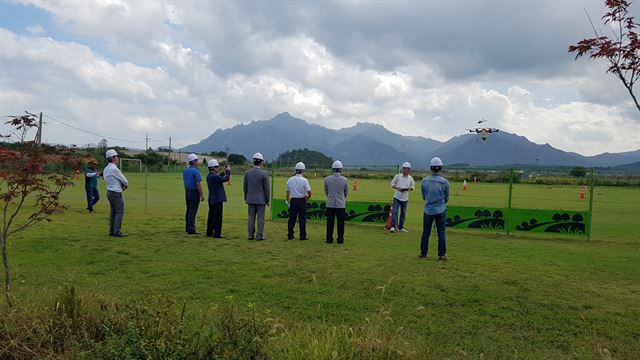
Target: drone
{"x":483,"y":132}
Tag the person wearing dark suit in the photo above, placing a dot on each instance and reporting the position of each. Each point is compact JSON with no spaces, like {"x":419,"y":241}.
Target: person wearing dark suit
{"x":256,"y":195}
{"x":217,"y":196}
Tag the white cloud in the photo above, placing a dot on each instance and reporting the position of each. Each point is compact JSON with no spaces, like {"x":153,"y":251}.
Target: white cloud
{"x":36,"y":30}
{"x":187,"y":68}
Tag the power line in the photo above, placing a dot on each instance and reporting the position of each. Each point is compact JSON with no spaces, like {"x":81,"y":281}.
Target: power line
{"x":140,"y":140}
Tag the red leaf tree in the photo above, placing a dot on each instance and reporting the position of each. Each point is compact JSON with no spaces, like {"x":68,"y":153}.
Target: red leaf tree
{"x":622,"y":50}
{"x":31,"y":181}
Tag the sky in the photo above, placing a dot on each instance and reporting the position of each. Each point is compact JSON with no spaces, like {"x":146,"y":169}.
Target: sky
{"x":182,"y":69}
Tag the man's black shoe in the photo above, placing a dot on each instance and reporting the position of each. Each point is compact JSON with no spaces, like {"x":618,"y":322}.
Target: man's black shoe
{"x":304,"y":238}
{"x":423,"y":257}
{"x":260,"y":239}
{"x":120,"y":234}
{"x":193,"y":233}
{"x":329,"y":242}
{"x":289,"y":237}
{"x":251,"y":238}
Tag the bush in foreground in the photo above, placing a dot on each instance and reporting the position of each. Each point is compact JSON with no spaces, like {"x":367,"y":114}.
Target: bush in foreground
{"x":159,"y":328}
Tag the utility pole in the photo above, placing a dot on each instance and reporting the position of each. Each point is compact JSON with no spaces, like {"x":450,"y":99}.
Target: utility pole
{"x":39,"y":137}
{"x":146,"y":147}
{"x":169,"y":161}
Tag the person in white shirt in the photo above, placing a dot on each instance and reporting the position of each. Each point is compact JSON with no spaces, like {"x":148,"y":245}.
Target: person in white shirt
{"x":298,"y":192}
{"x":116,"y":184}
{"x":402,"y":183}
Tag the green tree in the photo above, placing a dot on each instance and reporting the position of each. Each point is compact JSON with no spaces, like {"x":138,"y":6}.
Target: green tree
{"x":30,"y":187}
{"x":578,"y":171}
{"x":621,"y":50}
{"x":237,"y":159}
{"x":305,"y":155}
{"x":151,"y":158}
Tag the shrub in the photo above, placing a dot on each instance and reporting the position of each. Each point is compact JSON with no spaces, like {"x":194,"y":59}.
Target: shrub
{"x":159,"y":328}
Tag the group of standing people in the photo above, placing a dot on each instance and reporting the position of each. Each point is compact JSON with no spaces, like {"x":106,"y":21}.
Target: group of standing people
{"x":194,"y":194}
{"x":298,"y":191}
{"x":256,"y":189}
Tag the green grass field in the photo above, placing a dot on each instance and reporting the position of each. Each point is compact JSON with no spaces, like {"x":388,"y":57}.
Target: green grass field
{"x":498,"y":296}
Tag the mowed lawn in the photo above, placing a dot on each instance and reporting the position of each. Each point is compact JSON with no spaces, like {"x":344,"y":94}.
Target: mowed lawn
{"x":498,"y":296}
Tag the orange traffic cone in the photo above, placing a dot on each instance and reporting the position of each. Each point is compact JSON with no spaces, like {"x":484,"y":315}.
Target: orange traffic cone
{"x":388,"y":227}
{"x":583,"y":189}
{"x":355,"y":184}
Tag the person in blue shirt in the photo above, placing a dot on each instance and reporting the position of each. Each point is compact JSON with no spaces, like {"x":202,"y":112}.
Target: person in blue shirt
{"x":435,"y":193}
{"x":217,"y":196}
{"x":193,"y":192}
{"x":91,"y":184}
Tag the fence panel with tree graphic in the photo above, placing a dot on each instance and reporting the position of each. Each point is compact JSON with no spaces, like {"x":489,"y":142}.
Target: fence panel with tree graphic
{"x":500,"y":199}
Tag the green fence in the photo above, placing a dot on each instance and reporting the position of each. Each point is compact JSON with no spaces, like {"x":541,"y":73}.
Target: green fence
{"x":461,"y":217}
{"x":508,"y":219}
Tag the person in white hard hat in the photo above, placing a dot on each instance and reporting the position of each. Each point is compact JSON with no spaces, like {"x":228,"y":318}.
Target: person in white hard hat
{"x":256,"y":195}
{"x":193,"y":192}
{"x":298,"y":191}
{"x":116,"y":184}
{"x":435,"y":193}
{"x":336,"y":188}
{"x":402,"y":183}
{"x":217,"y":196}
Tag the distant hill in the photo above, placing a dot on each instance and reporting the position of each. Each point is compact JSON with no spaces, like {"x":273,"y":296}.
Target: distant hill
{"x":628,"y":167}
{"x":367,"y":143}
{"x":608,"y":159}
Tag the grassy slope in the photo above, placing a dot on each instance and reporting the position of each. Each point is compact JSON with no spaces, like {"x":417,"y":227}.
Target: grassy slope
{"x":504,"y":296}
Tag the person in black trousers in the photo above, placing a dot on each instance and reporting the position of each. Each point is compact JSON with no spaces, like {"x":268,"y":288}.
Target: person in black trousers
{"x":217,"y":196}
{"x":298,"y":191}
{"x":336,"y":188}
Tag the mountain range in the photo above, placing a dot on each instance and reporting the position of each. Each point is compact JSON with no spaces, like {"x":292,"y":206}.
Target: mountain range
{"x":366,"y":143}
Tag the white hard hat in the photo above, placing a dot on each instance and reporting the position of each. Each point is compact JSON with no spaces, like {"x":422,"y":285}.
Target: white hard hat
{"x":337,"y":164}
{"x":110,"y":153}
{"x":258,"y":156}
{"x":436,"y":161}
{"x":300,"y":166}
{"x":406,"y":164}
{"x":192,"y":157}
{"x":212,"y":163}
